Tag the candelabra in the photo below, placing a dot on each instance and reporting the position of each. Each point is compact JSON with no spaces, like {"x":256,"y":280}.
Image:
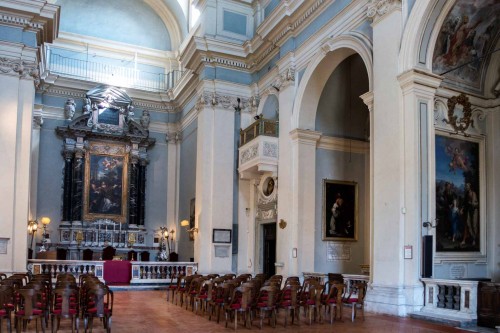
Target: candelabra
{"x":45,"y":236}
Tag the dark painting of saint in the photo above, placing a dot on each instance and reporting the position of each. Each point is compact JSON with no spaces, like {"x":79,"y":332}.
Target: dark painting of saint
{"x":105,"y":192}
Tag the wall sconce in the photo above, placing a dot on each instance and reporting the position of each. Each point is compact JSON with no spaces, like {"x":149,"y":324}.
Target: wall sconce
{"x":185,"y":223}
{"x":32,"y":228}
{"x":45,"y":237}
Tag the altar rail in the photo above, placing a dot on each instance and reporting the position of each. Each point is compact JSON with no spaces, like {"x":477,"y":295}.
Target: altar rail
{"x":451,"y":298}
{"x":151,"y":272}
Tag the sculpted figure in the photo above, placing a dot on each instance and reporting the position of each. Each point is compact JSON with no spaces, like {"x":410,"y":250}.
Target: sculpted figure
{"x":69,"y":109}
{"x":145,"y":119}
{"x":86,"y":106}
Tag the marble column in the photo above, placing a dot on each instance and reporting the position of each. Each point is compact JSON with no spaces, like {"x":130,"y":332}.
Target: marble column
{"x":141,"y":197}
{"x":67,"y":186}
{"x":133,"y":193}
{"x":77,"y":186}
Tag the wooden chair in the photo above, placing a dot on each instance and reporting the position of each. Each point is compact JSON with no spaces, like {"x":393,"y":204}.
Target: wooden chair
{"x":266,"y":304}
{"x":311,"y":295}
{"x":132,"y":255}
{"x":333,"y":300}
{"x":221,"y":298}
{"x":356,"y":299}
{"x":26,"y":309}
{"x":65,"y":305}
{"x":289,"y":302}
{"x":87,"y":255}
{"x":99,"y":305}
{"x":239,"y":304}
{"x":6,"y":305}
{"x":108,"y":253}
{"x":172,"y":288}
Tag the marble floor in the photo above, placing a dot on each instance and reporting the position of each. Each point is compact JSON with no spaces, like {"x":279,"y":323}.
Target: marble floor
{"x":149,"y":312}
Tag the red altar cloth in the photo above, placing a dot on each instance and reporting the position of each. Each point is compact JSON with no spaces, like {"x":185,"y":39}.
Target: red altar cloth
{"x":117,"y":271}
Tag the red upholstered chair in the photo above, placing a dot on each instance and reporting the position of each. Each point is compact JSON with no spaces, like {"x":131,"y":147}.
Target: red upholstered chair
{"x":65,"y":305}
{"x":108,"y":253}
{"x":289,"y":302}
{"x":333,"y":300}
{"x":240,"y":303}
{"x":311,"y":296}
{"x":6,"y":305}
{"x":356,"y":299}
{"x":266,"y":304}
{"x":99,"y":305}
{"x":26,"y":309}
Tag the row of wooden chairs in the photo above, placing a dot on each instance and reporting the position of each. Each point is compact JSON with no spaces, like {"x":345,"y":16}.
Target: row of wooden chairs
{"x":257,"y":297}
{"x":35,"y":299}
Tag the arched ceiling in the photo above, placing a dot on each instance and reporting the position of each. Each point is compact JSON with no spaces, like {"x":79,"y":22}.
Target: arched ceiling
{"x":156,"y":24}
{"x":466,"y":47}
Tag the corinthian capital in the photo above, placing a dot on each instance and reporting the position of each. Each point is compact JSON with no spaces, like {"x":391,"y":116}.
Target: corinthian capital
{"x":378,"y":8}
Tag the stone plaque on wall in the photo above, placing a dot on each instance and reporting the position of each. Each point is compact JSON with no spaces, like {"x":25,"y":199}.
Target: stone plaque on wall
{"x":338,"y":251}
{"x":458,"y":271}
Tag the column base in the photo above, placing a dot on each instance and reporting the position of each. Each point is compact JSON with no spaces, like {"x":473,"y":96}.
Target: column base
{"x":394,"y":300}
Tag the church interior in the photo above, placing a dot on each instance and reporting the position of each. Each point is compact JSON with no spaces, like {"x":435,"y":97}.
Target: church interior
{"x":347,"y":142}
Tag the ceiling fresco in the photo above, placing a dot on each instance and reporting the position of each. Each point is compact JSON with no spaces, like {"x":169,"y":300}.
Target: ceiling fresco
{"x":467,"y":38}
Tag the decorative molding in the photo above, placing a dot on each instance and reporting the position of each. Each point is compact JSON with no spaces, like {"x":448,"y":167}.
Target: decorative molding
{"x":25,"y":69}
{"x":376,"y":9}
{"x":460,"y":124}
{"x":225,"y":101}
{"x":270,"y":149}
{"x":284,"y":79}
{"x":344,"y":145}
{"x":249,"y":153}
{"x":37,"y":117}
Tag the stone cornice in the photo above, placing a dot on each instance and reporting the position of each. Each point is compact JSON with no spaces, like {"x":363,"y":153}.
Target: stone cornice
{"x":35,"y":15}
{"x":305,"y":136}
{"x":344,"y":145}
{"x":291,"y":17}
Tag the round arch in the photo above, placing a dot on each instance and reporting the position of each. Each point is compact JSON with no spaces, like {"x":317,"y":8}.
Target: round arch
{"x":267,"y":99}
{"x":320,"y":68}
{"x":168,"y":17}
{"x":421,"y":32}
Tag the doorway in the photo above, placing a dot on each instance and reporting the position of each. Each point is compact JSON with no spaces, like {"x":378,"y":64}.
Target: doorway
{"x":269,"y":249}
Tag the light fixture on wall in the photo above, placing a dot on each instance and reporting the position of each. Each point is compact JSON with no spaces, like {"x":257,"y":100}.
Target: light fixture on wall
{"x":185,"y":223}
{"x":45,"y":236}
{"x":32,"y":228}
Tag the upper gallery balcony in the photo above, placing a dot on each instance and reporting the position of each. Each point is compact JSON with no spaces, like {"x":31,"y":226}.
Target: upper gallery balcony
{"x":83,"y":67}
{"x":259,"y":149}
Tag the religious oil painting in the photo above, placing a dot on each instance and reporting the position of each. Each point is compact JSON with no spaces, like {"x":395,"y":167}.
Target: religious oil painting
{"x":466,"y":40}
{"x":340,"y":210}
{"x":105,"y":193}
{"x":457,"y":194}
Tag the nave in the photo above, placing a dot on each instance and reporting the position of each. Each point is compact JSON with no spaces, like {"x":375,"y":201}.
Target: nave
{"x":149,"y":312}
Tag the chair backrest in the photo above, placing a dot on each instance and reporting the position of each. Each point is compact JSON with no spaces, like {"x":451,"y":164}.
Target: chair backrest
{"x":335,"y":291}
{"x":62,"y":296}
{"x":88,"y":254}
{"x":6,"y":295}
{"x":270,"y":293}
{"x":27,"y":301}
{"x":131,"y":255}
{"x":102,"y":298}
{"x":145,"y":256}
{"x":108,"y":253}
{"x":61,"y":254}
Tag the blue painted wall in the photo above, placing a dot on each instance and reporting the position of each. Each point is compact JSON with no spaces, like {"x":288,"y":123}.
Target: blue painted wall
{"x":127,"y":21}
{"x":18,"y":35}
{"x":270,"y":110}
{"x":234,"y":22}
{"x":270,"y":7}
{"x":341,"y":113}
{"x":346,"y":167}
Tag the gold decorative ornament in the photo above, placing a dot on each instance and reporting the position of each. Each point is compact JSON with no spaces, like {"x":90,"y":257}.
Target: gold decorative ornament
{"x":282,"y":224}
{"x":460,"y":125}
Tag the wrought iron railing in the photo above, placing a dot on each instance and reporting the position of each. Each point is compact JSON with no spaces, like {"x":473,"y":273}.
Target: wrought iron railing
{"x":260,"y":127}
{"x":110,"y":74}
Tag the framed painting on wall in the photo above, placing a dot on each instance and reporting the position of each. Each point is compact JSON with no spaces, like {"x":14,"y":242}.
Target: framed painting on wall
{"x":340,"y":210}
{"x":458,"y":194}
{"x":106,"y":182}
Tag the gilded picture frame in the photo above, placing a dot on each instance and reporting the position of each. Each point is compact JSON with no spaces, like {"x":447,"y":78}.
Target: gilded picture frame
{"x":340,"y":210}
{"x":106,"y":182}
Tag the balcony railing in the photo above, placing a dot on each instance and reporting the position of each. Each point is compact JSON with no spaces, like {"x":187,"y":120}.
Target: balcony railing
{"x":110,"y":74}
{"x":260,"y":127}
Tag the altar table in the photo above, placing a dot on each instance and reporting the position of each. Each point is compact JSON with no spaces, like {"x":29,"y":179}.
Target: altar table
{"x":117,"y":271}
